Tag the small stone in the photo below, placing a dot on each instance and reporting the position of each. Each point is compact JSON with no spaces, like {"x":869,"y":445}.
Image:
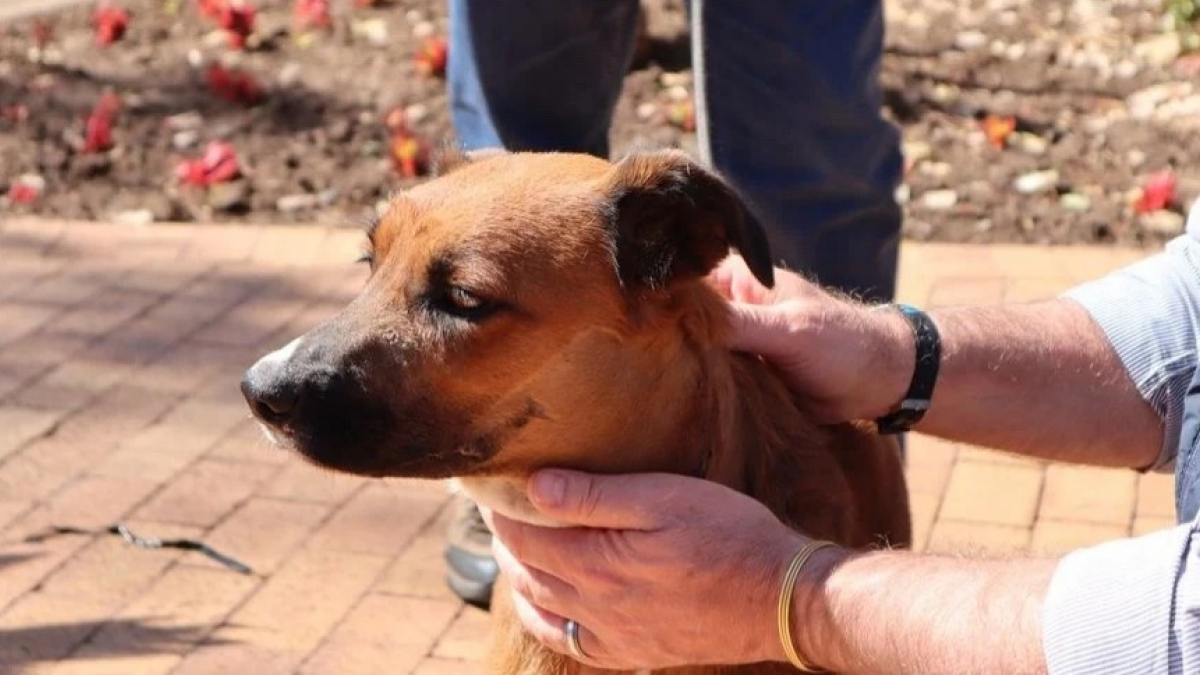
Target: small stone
{"x":233,"y":195}
{"x":305,"y":40}
{"x":935,"y":169}
{"x":414,"y":16}
{"x":1159,"y":50}
{"x":416,"y":112}
{"x":918,"y":229}
{"x":916,"y":152}
{"x":53,"y":56}
{"x":340,"y":130}
{"x":374,"y":31}
{"x":1144,"y":104}
{"x":216,"y":39}
{"x":1015,"y":51}
{"x":424,"y":29}
{"x":184,"y":121}
{"x":968,"y":40}
{"x":678,"y":92}
{"x":182,"y":140}
{"x":1028,"y":143}
{"x":1036,"y":181}
{"x":32,"y":180}
{"x":945,"y":94}
{"x":195,"y":58}
{"x":327,"y":197}
{"x":289,"y":74}
{"x":371,"y":148}
{"x":297,"y":202}
{"x":1125,"y":69}
{"x":645,"y":111}
{"x":42,"y":82}
{"x":134,"y":218}
{"x":1135,"y":158}
{"x":978,"y":191}
{"x":669,"y":79}
{"x":939,"y":200}
{"x":903,"y":194}
{"x":983,"y":225}
{"x":1073,"y":201}
{"x":1166,"y":223}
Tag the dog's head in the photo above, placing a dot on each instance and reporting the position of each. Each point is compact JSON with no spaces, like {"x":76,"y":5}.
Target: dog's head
{"x":521,"y":312}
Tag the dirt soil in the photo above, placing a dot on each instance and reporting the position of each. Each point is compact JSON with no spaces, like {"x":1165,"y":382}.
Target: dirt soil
{"x":1100,"y":95}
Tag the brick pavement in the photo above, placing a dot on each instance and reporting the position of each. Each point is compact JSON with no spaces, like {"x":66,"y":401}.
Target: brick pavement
{"x":120,"y":353}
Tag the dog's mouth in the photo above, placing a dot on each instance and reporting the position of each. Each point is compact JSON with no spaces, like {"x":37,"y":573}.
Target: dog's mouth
{"x":404,"y":458}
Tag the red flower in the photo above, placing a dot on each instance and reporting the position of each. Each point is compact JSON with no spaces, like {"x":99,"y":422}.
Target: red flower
{"x":683,"y":115}
{"x":97,"y":130}
{"x":110,"y":23}
{"x":431,"y":57}
{"x":1158,"y":192}
{"x":218,"y":164}
{"x":238,"y":21}
{"x":234,"y":86}
{"x":14,"y":113}
{"x":211,"y":8}
{"x":998,"y":128}
{"x":23,"y":192}
{"x":43,"y":31}
{"x":311,"y":14}
{"x":410,"y":154}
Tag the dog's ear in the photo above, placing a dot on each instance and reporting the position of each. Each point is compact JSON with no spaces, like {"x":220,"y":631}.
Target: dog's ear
{"x":673,"y":219}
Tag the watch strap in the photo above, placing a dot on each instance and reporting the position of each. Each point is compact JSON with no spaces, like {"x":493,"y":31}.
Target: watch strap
{"x":925,"y":372}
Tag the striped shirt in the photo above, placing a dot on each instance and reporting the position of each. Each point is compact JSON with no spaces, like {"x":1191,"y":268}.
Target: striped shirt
{"x":1133,"y":605}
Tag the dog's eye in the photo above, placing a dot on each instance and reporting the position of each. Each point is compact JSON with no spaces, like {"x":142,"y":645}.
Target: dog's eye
{"x":460,"y":302}
{"x":464,"y":299}
{"x":366,"y":258}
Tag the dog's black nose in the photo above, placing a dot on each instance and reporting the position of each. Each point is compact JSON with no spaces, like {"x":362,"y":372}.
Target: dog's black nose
{"x":271,"y":401}
{"x":272,"y":389}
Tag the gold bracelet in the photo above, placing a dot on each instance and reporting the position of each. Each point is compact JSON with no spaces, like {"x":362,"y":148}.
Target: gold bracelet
{"x":785,"y":603}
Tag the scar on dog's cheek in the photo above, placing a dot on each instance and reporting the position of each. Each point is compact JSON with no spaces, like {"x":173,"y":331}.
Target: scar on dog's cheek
{"x":283,"y":353}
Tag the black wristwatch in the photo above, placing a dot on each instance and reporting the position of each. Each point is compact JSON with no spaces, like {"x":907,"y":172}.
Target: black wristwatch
{"x":925,"y":371}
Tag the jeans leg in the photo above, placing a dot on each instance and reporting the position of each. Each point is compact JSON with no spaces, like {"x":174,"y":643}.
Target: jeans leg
{"x":790,"y":107}
{"x":468,"y":108}
{"x":539,"y":75}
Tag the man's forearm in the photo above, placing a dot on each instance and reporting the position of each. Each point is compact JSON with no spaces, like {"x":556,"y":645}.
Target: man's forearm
{"x":922,"y":614}
{"x":1040,"y":379}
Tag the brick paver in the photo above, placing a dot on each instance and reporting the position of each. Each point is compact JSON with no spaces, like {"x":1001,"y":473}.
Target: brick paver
{"x":120,"y":352}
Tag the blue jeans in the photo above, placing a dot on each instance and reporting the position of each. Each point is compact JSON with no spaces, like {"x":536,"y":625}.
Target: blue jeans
{"x":788,"y":108}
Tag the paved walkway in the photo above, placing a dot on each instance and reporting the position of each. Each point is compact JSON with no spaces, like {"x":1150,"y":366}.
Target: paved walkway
{"x":120,"y":353}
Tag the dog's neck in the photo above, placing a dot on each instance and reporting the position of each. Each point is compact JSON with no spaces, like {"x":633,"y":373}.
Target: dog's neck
{"x":747,"y":430}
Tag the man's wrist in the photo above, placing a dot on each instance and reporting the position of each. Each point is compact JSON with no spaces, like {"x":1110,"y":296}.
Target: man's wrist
{"x":816,"y":637}
{"x":894,"y":358}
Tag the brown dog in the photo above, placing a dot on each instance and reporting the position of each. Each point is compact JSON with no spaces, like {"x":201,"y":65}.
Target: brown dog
{"x":535,"y":310}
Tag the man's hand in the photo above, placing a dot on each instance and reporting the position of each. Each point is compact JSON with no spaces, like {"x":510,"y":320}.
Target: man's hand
{"x":847,"y":361}
{"x":670,"y":570}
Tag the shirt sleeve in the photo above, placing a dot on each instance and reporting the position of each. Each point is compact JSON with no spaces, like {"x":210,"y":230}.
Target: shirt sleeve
{"x":1150,"y":312}
{"x":1128,"y":606}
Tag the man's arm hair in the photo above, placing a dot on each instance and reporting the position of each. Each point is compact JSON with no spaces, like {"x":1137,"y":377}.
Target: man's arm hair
{"x":1039,"y":379}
